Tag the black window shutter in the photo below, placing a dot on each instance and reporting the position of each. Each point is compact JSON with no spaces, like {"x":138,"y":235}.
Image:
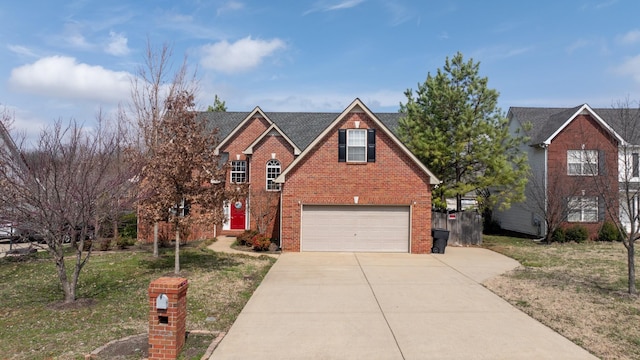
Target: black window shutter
{"x":342,"y":145}
{"x":602,"y":166}
{"x":635,"y":165}
{"x":601,"y":208}
{"x":371,"y":145}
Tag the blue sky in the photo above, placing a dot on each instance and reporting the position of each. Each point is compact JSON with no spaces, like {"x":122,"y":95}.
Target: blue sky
{"x":68,"y":59}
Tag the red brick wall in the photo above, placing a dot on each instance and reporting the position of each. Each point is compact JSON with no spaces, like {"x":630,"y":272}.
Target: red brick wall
{"x":242,"y":139}
{"x":392,"y":180}
{"x":262,"y":153}
{"x":584,"y":130}
{"x":167,"y":339}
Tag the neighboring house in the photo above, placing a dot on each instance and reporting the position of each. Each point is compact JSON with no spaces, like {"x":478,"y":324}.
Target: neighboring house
{"x":569,"y":150}
{"x":344,"y":182}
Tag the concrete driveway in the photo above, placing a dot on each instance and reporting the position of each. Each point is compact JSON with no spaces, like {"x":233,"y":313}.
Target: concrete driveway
{"x":388,"y":306}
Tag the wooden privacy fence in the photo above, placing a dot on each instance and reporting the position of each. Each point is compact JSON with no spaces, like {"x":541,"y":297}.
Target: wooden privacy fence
{"x":465,"y":228}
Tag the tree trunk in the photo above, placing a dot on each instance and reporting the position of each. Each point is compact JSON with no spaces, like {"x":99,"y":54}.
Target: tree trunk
{"x":115,"y":230}
{"x":177,"y":269}
{"x":632,"y":267}
{"x":155,"y":239}
{"x":67,"y":288}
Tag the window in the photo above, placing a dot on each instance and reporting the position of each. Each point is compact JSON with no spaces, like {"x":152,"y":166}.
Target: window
{"x":582,"y":162}
{"x":583,"y":209}
{"x":635,"y":165}
{"x":181,"y":209}
{"x":238,"y":171}
{"x":356,"y":145}
{"x":273,"y":171}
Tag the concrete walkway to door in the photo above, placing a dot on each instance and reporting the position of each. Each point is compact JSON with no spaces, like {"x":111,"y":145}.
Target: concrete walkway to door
{"x":388,"y":306}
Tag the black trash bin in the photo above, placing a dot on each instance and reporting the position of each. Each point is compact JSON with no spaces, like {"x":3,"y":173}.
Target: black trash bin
{"x":440,"y":238}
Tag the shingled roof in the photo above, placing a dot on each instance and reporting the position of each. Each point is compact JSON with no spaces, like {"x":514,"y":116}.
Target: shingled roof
{"x":546,"y":121}
{"x":301,"y":127}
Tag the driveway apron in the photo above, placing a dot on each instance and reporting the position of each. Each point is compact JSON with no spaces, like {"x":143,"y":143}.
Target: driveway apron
{"x":388,"y":306}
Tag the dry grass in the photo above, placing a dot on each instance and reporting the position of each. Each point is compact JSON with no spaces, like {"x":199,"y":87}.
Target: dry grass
{"x":114,"y":291}
{"x":578,"y":290}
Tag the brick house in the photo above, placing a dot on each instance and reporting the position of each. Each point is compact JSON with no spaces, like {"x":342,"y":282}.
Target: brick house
{"x":343,"y":181}
{"x":574,"y":155}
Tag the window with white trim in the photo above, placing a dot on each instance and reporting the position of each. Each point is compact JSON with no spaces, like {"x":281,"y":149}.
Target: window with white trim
{"x":273,"y":171}
{"x":238,"y":171}
{"x":356,"y":145}
{"x":583,"y":209}
{"x":582,"y":162}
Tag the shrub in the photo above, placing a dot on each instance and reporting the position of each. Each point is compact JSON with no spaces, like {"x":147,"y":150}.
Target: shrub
{"x":246,"y":238}
{"x":260,"y":242}
{"x":577,"y":233}
{"x":129,"y":224}
{"x":609,"y":232}
{"x":123,"y":242}
{"x":103,"y":244}
{"x":559,"y":235}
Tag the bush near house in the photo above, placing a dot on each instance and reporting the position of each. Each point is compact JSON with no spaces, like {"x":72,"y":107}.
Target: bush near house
{"x":246,"y":238}
{"x":609,"y":232}
{"x":576,"y":233}
{"x":559,"y":235}
{"x":260,"y":242}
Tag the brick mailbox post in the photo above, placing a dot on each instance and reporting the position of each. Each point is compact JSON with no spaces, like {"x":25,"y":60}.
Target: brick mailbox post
{"x":167,"y":317}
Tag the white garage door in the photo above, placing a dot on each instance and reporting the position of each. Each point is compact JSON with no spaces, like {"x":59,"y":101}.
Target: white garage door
{"x":355,"y":228}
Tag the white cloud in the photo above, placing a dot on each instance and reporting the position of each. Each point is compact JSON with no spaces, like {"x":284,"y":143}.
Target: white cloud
{"x":230,"y":6}
{"x":245,"y":54}
{"x":631,"y":67}
{"x":344,"y":5}
{"x":326,"y":6}
{"x":21,"y":50}
{"x":630,"y":37}
{"x":63,"y":77}
{"x":117,"y":45}
{"x":578,"y":44}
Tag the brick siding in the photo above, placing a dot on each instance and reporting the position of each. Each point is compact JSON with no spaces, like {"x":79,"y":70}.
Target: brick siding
{"x":584,"y":132}
{"x":393,"y":179}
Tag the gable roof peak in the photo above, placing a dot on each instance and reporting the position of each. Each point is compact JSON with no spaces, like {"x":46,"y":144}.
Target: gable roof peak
{"x":357,"y":103}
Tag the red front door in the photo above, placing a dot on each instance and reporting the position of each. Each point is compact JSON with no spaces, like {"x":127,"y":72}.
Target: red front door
{"x":238,"y":215}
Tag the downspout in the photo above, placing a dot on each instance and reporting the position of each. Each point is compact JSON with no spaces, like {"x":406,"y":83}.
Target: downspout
{"x":280,"y":220}
{"x":545,"y":185}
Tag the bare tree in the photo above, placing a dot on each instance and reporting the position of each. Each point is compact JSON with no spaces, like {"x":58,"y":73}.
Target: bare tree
{"x":263,"y":208}
{"x":183,"y":180}
{"x":154,"y":83}
{"x":621,"y":200}
{"x":63,"y":186}
{"x":547,"y":196}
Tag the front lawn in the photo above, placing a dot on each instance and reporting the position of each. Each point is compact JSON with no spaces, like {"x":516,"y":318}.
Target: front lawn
{"x":113,"y":300}
{"x":579,"y":290}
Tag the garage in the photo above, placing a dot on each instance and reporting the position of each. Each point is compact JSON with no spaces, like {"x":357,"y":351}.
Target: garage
{"x":355,"y":228}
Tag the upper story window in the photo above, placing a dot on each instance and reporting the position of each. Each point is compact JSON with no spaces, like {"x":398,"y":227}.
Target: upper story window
{"x":582,"y":162}
{"x":238,"y":171}
{"x":583,"y":209}
{"x":357,"y":145}
{"x":273,"y":171}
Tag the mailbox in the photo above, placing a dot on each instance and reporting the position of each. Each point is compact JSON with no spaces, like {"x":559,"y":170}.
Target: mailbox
{"x":162,"y":302}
